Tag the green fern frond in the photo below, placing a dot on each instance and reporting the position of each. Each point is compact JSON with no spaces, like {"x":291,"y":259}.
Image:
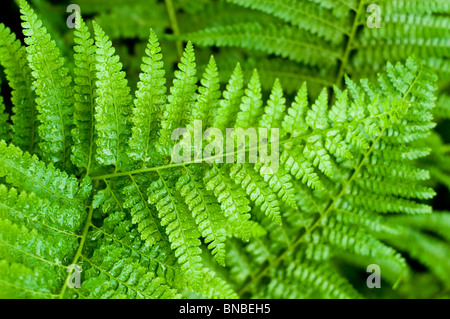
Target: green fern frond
{"x":184,"y":240}
{"x":257,"y":190}
{"x":28,"y":173}
{"x":113,"y":277}
{"x":182,"y":97}
{"x":113,"y":104}
{"x":14,"y":60}
{"x":142,"y":214}
{"x":83,"y":134}
{"x":318,"y":278}
{"x":151,"y":98}
{"x":231,"y":101}
{"x":233,"y":201}
{"x":143,"y":226}
{"x":208,"y":100}
{"x":417,"y":6}
{"x":177,"y":220}
{"x":281,"y":40}
{"x":251,"y":106}
{"x":117,"y":232}
{"x":428,"y":250}
{"x":125,"y":21}
{"x":273,"y":112}
{"x":53,"y":90}
{"x":5,"y":127}
{"x":205,"y":211}
{"x":304,"y":15}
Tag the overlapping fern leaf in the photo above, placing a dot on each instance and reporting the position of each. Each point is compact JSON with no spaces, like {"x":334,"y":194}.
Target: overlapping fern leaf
{"x":327,"y":39}
{"x":288,"y":40}
{"x":102,"y":192}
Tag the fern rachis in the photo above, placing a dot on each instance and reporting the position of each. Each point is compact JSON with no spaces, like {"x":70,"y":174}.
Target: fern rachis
{"x":142,"y":226}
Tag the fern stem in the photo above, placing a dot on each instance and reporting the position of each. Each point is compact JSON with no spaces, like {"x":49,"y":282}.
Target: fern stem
{"x":113,"y":195}
{"x":33,"y":132}
{"x":80,"y":248}
{"x":212,"y":158}
{"x":445,"y":148}
{"x":349,"y":45}
{"x":91,"y":146}
{"x":174,"y":24}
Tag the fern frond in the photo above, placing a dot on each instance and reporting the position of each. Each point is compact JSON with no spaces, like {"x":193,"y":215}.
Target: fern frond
{"x":274,"y":111}
{"x":232,"y":97}
{"x":83,"y":134}
{"x":205,"y":211}
{"x":281,"y":40}
{"x":126,"y":21}
{"x":352,"y":239}
{"x":257,"y":190}
{"x":141,"y":214}
{"x":177,"y":220}
{"x":117,"y":232}
{"x":251,"y":106}
{"x":209,"y":94}
{"x":304,"y":15}
{"x":143,"y":226}
{"x":113,"y":104}
{"x":42,"y":248}
{"x":233,"y":201}
{"x":182,"y":97}
{"x":417,"y":6}
{"x":180,"y":227}
{"x":439,"y":222}
{"x":13,"y":58}
{"x":281,"y":184}
{"x":53,"y":89}
{"x":318,"y":278}
{"x":426,"y":249}
{"x":443,"y":107}
{"x":151,"y":98}
{"x":5,"y":127}
{"x":112,"y":276}
{"x":28,"y":173}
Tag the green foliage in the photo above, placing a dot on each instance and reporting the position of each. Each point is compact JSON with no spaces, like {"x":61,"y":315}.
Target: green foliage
{"x":334,"y":36}
{"x":53,"y":90}
{"x":5,"y":130}
{"x":113,"y":104}
{"x":181,"y":98}
{"x":151,"y":98}
{"x":83,"y":133}
{"x":18,"y":73}
{"x":99,"y":188}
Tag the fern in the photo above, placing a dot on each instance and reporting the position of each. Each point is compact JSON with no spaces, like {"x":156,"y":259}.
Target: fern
{"x":112,"y":110}
{"x":99,"y":190}
{"x":53,"y":89}
{"x":14,"y":61}
{"x":5,"y":131}
{"x":84,"y":131}
{"x":335,"y":37}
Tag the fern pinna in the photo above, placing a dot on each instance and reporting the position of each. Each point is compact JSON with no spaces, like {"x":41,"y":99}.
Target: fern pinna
{"x":96,"y":186}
